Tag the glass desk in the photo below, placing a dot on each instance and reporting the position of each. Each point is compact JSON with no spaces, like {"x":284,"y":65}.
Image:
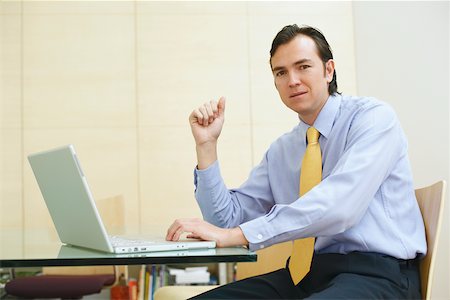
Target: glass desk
{"x":56,"y":254}
{"x":73,"y":256}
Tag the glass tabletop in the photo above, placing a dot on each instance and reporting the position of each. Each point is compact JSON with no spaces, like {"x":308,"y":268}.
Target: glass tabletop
{"x":57,"y":254}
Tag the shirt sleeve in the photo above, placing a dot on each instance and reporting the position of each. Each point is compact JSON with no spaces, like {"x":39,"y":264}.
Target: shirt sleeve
{"x":374,"y":142}
{"x":229,"y":208}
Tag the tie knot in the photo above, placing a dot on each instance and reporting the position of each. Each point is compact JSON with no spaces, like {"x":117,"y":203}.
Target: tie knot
{"x":312,"y":135}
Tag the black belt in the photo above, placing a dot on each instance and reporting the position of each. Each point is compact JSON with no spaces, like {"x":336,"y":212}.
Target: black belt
{"x":408,"y":263}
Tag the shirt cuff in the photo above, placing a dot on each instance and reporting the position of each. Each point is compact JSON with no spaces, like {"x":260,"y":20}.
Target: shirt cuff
{"x":258,"y":233}
{"x":207,"y":177}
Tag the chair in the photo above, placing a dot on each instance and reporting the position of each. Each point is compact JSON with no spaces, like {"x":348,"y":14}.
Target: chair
{"x":431,"y":201}
{"x":60,"y":285}
{"x":74,"y":282}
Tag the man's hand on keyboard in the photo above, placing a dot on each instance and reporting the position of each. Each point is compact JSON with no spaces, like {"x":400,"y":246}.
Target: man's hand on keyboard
{"x":200,"y":229}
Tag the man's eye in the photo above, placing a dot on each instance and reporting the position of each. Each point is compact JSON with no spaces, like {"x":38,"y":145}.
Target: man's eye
{"x":304,"y":67}
{"x":280,"y":73}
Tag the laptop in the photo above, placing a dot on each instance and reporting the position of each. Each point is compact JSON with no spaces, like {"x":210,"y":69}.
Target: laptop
{"x":72,"y":207}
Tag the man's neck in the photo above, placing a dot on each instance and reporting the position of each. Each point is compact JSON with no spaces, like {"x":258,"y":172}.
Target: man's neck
{"x":311,"y":118}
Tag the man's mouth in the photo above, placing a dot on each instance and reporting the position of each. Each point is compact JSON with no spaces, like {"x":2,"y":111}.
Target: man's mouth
{"x":297,"y":94}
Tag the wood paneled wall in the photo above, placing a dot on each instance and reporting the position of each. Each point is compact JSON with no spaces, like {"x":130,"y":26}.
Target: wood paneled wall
{"x":118,"y":80}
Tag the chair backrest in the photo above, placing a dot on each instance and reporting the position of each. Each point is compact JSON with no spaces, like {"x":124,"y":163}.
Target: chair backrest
{"x":431,"y":202}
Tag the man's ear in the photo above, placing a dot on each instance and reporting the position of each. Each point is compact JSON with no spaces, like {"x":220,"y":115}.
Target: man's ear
{"x":329,"y":70}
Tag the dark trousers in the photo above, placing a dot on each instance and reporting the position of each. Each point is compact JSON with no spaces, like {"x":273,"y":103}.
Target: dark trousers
{"x":356,"y":275}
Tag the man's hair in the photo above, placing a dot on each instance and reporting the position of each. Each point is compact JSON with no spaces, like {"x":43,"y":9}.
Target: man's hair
{"x":288,"y":33}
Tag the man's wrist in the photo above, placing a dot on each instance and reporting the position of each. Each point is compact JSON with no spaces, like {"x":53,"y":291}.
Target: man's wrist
{"x":238,"y":236}
{"x":206,"y":154}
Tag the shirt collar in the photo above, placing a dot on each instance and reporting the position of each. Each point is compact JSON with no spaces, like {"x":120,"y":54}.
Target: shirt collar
{"x":325,"y":119}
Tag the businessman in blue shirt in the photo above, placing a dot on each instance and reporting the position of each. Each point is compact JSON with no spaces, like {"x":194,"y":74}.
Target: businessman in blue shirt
{"x":368,"y":229}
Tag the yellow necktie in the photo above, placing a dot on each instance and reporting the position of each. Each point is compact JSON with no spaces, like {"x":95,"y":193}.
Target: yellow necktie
{"x":311,"y":174}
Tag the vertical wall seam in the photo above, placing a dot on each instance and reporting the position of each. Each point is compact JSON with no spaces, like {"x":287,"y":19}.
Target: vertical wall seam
{"x":22,"y":126}
{"x":355,"y":47}
{"x":138,"y":131}
{"x":250,"y":93}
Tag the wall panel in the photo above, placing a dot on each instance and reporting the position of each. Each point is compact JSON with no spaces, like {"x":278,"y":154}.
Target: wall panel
{"x":188,"y":53}
{"x":79,"y":88}
{"x":11,"y":219}
{"x":119,"y":79}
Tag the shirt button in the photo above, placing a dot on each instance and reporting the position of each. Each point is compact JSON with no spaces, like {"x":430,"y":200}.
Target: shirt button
{"x":259,"y":236}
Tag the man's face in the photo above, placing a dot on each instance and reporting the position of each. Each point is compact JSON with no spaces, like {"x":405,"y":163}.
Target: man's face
{"x":301,"y":78}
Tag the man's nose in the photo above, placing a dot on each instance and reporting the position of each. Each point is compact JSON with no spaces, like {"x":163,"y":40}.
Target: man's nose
{"x":294,"y":79}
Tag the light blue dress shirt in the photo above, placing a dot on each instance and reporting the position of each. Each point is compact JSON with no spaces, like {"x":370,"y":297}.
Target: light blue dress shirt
{"x":366,"y":199}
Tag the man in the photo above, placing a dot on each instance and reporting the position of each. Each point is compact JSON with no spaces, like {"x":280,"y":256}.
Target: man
{"x":363,"y":213}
